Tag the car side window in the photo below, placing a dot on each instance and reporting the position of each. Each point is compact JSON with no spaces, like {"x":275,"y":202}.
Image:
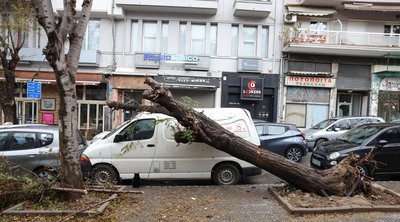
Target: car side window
{"x":45,"y":139}
{"x":23,"y":141}
{"x":342,"y":124}
{"x":391,"y":136}
{"x":3,"y":139}
{"x":139,"y":130}
{"x":276,"y":130}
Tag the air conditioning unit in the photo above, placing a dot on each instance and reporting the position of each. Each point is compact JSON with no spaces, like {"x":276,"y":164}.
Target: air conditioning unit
{"x":290,"y":18}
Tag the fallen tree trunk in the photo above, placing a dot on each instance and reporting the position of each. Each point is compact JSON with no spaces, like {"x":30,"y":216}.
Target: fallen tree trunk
{"x":338,"y":180}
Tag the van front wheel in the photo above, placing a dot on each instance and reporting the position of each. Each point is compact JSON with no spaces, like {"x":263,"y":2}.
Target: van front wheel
{"x":226,"y":174}
{"x":103,"y":174}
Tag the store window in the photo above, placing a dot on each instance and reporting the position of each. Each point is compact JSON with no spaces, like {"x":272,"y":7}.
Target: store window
{"x":149,"y":36}
{"x":92,"y":35}
{"x":198,"y":39}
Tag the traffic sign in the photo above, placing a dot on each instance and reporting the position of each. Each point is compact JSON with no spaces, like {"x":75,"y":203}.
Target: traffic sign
{"x":34,"y":90}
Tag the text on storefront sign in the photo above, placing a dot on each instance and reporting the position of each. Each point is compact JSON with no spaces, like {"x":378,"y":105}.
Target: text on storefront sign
{"x":310,"y":81}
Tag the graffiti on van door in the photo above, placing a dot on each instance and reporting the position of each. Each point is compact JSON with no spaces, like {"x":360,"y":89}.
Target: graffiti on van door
{"x":307,"y":94}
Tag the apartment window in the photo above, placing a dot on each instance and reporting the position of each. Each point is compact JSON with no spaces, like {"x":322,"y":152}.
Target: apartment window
{"x":149,"y":36}
{"x":318,"y":28}
{"x":264,"y":42}
{"x":182,"y":38}
{"x":213,"y":40}
{"x":249,"y":41}
{"x":134,"y":36}
{"x":92,"y":35}
{"x":392,"y":29}
{"x":198,"y":39}
{"x":164,"y":37}
{"x":234,"y":40}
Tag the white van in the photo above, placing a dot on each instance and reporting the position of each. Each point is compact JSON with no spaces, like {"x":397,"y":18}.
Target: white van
{"x":146,"y":145}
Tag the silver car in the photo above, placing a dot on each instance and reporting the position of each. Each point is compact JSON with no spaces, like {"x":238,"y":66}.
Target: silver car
{"x":33,"y":147}
{"x":330,"y":129}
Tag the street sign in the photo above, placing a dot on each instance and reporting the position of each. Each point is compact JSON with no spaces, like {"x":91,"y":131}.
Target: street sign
{"x":34,"y":90}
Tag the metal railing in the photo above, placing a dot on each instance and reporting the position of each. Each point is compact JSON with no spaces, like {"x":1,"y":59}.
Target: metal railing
{"x":343,"y":38}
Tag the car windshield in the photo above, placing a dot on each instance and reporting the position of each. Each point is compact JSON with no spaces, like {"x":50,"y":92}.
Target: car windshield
{"x":324,"y":124}
{"x":359,"y":134}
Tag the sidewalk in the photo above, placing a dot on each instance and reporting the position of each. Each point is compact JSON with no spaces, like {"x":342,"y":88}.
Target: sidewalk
{"x":229,"y":203}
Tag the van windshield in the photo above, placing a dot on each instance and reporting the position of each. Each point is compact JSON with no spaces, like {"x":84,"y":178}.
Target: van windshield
{"x":324,"y":124}
{"x":117,"y":128}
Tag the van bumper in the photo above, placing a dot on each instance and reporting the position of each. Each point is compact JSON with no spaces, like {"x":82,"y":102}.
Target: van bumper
{"x":86,"y":167}
{"x":251,"y":171}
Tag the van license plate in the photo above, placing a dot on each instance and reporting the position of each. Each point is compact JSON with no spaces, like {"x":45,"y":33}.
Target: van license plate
{"x":316,"y":162}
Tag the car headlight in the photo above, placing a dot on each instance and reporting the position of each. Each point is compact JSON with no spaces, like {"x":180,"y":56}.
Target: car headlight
{"x":310,"y":137}
{"x":334,"y":155}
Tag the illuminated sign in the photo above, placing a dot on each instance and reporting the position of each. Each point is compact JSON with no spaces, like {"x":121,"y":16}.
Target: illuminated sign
{"x":167,"y":57}
{"x":252,"y":88}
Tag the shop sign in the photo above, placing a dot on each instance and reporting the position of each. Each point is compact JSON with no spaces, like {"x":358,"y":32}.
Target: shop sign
{"x":390,"y":84}
{"x":172,"y":58}
{"x":310,"y":81}
{"x":252,"y":89}
{"x":187,"y":81}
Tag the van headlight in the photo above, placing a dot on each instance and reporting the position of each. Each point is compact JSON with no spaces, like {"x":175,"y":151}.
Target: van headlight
{"x":334,"y":155}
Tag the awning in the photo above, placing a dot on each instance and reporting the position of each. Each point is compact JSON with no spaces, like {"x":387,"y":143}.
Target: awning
{"x":372,"y":7}
{"x":310,"y":11}
{"x":49,"y":77}
{"x":388,"y":73}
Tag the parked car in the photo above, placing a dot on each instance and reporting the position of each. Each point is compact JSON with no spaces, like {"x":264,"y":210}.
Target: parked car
{"x":283,"y":139}
{"x":34,"y":147}
{"x":330,"y":129}
{"x":383,"y":138}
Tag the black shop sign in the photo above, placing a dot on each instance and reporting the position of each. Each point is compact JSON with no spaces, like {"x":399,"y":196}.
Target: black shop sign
{"x":252,"y":89}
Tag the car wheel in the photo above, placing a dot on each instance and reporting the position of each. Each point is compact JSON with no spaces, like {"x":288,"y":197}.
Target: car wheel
{"x":294,"y":153}
{"x":226,"y":174}
{"x":46,"y":173}
{"x":103,"y":174}
{"x":363,"y":170}
{"x":319,"y":142}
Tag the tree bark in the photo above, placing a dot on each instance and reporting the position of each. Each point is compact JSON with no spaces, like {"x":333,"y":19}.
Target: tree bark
{"x":338,"y":180}
{"x":65,"y":67}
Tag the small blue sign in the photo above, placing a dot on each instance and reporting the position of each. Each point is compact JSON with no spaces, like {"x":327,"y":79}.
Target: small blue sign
{"x":34,"y":90}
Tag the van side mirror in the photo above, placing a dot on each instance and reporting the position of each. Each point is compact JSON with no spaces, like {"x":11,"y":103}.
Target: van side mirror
{"x":119,"y":138}
{"x":382,"y":143}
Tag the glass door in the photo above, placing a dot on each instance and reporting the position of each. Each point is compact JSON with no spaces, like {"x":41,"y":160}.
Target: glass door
{"x":27,"y":111}
{"x":90,"y":118}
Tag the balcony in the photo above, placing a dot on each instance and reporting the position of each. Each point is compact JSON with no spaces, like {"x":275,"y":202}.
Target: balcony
{"x":206,"y":7}
{"x":341,"y":43}
{"x":252,"y":8}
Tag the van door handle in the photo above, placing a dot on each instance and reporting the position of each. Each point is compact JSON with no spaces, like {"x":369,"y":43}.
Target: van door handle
{"x":151,"y":145}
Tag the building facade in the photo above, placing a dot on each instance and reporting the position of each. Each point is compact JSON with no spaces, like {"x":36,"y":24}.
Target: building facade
{"x":340,"y":59}
{"x":211,"y":53}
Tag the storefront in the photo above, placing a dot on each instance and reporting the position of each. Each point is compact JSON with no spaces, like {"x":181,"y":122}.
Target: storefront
{"x":258,"y":93}
{"x":307,"y":99}
{"x":385,"y":96}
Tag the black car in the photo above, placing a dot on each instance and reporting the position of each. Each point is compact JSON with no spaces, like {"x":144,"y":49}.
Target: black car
{"x":383,"y":138}
{"x":283,"y":139}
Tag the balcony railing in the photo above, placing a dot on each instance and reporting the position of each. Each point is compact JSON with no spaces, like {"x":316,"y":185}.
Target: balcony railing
{"x":342,"y":38}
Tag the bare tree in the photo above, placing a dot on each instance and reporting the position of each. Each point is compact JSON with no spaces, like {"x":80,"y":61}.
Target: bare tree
{"x":342,"y":180}
{"x":59,"y":30}
{"x":16,"y":21}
